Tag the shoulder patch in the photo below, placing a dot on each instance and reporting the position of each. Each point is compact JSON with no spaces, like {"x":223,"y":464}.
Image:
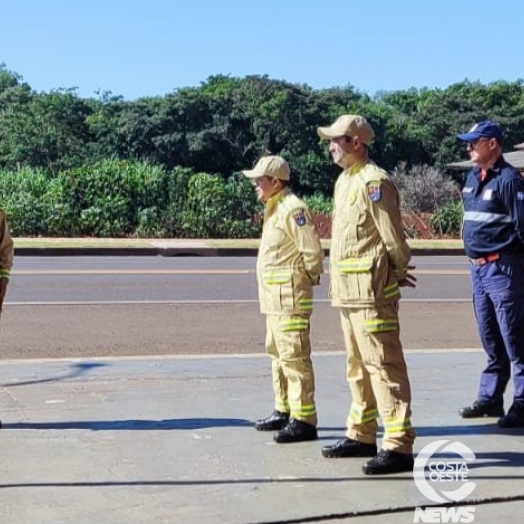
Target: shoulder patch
{"x":374,"y":190}
{"x":300,"y":218}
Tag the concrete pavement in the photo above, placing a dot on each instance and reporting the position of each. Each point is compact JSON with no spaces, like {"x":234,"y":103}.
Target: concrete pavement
{"x":170,"y":440}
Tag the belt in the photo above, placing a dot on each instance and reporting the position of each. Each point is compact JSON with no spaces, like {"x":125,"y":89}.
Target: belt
{"x":481,"y":261}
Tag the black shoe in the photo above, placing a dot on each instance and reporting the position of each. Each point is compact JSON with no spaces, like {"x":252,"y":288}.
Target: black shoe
{"x":348,"y":447}
{"x":388,"y":462}
{"x":277,"y":420}
{"x":296,"y":431}
{"x":482,"y":409}
{"x":514,"y":418}
{"x":0,"y":423}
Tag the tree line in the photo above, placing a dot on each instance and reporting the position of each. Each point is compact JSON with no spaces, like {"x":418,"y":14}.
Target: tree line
{"x":83,"y":160}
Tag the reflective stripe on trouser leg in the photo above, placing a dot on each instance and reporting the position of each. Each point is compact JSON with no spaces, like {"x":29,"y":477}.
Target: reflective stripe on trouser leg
{"x":294,"y":348}
{"x":278,"y":378}
{"x":363,"y":414}
{"x":377,"y":333}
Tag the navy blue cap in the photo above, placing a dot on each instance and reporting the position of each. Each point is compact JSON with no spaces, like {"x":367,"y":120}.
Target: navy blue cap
{"x":486,"y":129}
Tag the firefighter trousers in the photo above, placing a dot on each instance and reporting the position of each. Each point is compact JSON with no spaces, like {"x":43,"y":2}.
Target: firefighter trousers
{"x":377,"y":377}
{"x":288,"y":344}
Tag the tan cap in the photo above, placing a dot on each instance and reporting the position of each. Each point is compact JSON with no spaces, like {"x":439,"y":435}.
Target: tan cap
{"x":273,"y":166}
{"x":348,"y":125}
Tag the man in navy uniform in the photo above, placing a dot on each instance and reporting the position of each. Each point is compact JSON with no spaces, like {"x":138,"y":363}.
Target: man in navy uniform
{"x":493,"y":233}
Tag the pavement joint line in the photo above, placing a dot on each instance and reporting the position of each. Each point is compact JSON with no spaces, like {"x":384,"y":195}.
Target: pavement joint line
{"x":211,"y":356}
{"x":398,"y":509}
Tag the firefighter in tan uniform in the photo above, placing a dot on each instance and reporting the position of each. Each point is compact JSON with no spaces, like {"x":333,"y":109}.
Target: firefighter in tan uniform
{"x":6,"y":259}
{"x":369,"y":261}
{"x":289,"y":264}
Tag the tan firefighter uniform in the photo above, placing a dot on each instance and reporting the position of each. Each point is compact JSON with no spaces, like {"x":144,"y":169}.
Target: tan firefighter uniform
{"x":369,"y":253}
{"x":6,"y":259}
{"x":6,"y":255}
{"x":289,"y":264}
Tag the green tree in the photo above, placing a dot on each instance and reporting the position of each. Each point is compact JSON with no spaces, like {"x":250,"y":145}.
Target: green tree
{"x":46,"y":130}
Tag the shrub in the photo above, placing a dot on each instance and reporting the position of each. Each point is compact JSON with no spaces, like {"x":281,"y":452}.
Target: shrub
{"x":319,"y":204}
{"x":423,"y":189}
{"x":108,"y":196}
{"x":23,"y":198}
{"x":216,"y":209}
{"x":447,"y":219}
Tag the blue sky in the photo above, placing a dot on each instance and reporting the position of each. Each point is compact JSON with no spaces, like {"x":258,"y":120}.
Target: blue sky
{"x":145,"y":48}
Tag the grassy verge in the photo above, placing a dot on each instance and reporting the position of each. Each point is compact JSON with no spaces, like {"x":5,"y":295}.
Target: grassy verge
{"x":81,"y":242}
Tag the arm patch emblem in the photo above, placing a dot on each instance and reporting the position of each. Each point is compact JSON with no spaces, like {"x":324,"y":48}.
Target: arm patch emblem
{"x":300,"y":218}
{"x":374,"y":191}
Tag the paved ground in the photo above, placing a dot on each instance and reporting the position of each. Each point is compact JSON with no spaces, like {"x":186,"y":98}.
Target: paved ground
{"x":169,"y":440}
{"x":136,"y":330}
{"x":166,"y":439}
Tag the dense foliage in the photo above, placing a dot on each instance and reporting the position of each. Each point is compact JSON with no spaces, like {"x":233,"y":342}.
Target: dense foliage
{"x":169,"y":166}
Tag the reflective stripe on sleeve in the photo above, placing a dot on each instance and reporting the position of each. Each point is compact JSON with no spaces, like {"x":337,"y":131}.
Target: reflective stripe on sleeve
{"x":392,"y":290}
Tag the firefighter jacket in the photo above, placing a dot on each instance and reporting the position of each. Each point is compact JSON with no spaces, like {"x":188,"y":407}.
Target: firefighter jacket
{"x":369,"y":252}
{"x":290,"y":257}
{"x":6,"y":248}
{"x":494,"y":211}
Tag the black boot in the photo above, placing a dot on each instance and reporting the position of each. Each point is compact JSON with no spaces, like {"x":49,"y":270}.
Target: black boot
{"x":277,"y":420}
{"x":388,"y":462}
{"x":514,"y":418}
{"x":347,"y":447}
{"x":478,"y":409}
{"x":0,"y":423}
{"x":296,"y":431}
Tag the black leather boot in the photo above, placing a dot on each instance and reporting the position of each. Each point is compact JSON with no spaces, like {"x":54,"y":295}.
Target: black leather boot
{"x":277,"y":420}
{"x":296,"y":431}
{"x":388,"y":462}
{"x":348,"y":447}
{"x":514,"y":418}
{"x":482,"y":409}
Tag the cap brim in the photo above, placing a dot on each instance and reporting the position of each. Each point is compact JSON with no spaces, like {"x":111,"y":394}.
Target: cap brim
{"x":469,"y":137}
{"x":252,"y":174}
{"x":327,"y":133}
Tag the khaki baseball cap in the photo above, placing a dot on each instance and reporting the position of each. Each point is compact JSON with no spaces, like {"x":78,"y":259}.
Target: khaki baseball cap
{"x":273,"y":166}
{"x":348,"y":125}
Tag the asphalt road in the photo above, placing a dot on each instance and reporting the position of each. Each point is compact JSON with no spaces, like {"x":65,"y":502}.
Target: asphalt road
{"x":123,"y":306}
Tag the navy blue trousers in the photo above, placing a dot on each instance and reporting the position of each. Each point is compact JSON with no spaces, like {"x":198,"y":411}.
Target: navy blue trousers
{"x":498,"y":299}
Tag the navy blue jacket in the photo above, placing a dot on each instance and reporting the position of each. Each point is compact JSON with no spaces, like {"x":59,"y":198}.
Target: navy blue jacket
{"x":494,"y":211}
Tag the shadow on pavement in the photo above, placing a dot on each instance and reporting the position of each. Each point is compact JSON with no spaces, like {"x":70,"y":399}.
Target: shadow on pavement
{"x":139,"y":425}
{"x":173,"y":482}
{"x":78,"y":369}
{"x":473,"y":429}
